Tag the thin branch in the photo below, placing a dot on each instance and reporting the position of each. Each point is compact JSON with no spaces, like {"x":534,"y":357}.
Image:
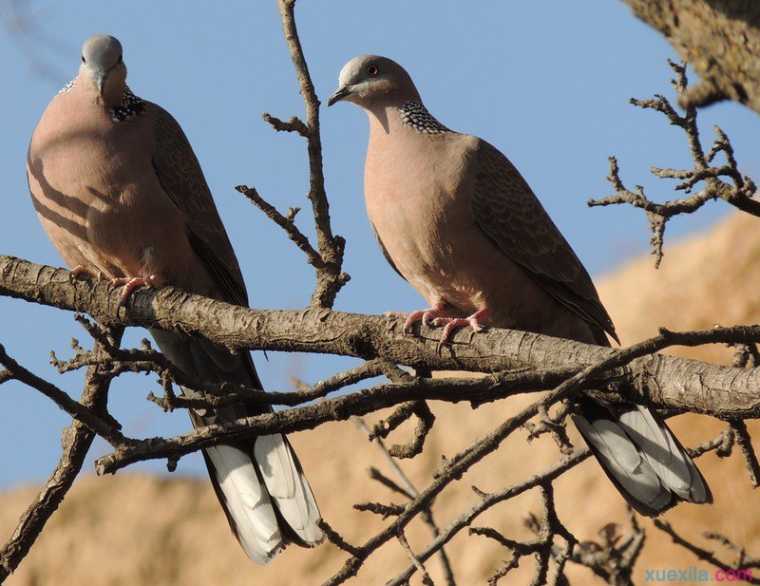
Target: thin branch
{"x":330,"y":277}
{"x":425,"y":421}
{"x":336,"y":539}
{"x":106,"y":429}
{"x":409,"y":491}
{"x":426,"y":580}
{"x":510,"y":564}
{"x":744,"y":441}
{"x":611,"y":558}
{"x":392,"y":485}
{"x":487,"y":502}
{"x":381,"y":509}
{"x":295,"y":124}
{"x":738,"y":190}
{"x":722,"y":444}
{"x":146,"y":360}
{"x":76,"y":442}
{"x":287,"y":223}
{"x":703,"y":554}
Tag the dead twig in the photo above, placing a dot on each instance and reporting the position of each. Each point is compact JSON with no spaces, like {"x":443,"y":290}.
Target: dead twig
{"x":724,"y":181}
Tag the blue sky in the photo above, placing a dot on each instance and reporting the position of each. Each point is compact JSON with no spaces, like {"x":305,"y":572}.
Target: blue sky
{"x":546,"y":82}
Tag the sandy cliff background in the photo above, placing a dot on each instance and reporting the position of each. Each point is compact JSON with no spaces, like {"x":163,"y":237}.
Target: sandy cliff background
{"x":135,"y":529}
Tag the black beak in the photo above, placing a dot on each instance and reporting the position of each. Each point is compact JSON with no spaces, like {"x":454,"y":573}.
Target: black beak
{"x":339,"y":94}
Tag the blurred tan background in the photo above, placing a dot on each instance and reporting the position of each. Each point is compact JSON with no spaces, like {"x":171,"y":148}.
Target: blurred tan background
{"x":135,"y":529}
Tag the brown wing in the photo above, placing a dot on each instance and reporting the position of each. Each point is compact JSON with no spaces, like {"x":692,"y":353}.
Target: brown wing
{"x":181,"y":177}
{"x":510,"y":215}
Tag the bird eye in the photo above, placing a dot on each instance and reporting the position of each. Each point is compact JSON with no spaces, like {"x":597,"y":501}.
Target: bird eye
{"x":372,"y":70}
{"x":83,"y":60}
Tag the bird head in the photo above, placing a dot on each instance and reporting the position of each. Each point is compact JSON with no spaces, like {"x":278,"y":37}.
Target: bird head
{"x":369,"y":80}
{"x":103,"y":66}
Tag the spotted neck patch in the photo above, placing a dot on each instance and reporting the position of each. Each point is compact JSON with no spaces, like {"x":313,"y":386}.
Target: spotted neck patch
{"x":131,"y":105}
{"x":416,"y":116}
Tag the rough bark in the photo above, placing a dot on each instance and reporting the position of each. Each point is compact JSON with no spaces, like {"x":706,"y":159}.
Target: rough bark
{"x":657,"y":380}
{"x":719,"y":38}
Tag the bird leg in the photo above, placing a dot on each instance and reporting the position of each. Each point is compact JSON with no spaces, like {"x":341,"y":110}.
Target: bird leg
{"x":130,"y":284}
{"x":426,"y":316}
{"x":477,"y":321}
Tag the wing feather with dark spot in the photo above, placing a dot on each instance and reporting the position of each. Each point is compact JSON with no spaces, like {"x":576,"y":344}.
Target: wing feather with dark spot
{"x":511,"y":216}
{"x":181,"y":177}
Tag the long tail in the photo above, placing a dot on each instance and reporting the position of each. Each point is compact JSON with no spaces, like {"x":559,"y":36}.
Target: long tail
{"x":642,"y":457}
{"x":260,"y":484}
{"x":267,"y":499}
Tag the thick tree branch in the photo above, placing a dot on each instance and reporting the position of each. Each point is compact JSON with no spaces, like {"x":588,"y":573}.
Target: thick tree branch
{"x":657,"y":380}
{"x":719,"y":38}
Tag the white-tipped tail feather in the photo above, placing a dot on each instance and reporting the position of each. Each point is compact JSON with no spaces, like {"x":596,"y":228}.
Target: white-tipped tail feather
{"x":675,"y":468}
{"x":247,"y":502}
{"x":260,"y":485}
{"x":641,"y":455}
{"x":251,"y":505}
{"x":288,"y":487}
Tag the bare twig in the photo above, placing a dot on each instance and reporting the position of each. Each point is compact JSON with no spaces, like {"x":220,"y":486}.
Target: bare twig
{"x":738,"y":190}
{"x":287,"y":223}
{"x":409,"y":491}
{"x":330,"y":277}
{"x":722,"y":444}
{"x":426,"y":580}
{"x":335,"y":538}
{"x":704,"y":554}
{"x":425,"y":420}
{"x":612,"y":558}
{"x":76,"y":442}
{"x":384,"y":511}
{"x":106,"y":429}
{"x":488,"y":502}
{"x":744,"y":441}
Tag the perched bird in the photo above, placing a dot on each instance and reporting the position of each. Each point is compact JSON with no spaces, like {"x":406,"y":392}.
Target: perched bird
{"x":456,"y":219}
{"x":121,"y":195}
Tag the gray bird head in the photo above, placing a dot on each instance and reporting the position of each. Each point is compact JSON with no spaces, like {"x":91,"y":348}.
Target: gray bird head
{"x":103,"y":65}
{"x":367,"y":80}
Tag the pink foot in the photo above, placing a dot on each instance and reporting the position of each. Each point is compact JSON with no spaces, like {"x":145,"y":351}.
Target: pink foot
{"x":477,"y":321}
{"x":426,"y":316}
{"x":130,"y":284}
